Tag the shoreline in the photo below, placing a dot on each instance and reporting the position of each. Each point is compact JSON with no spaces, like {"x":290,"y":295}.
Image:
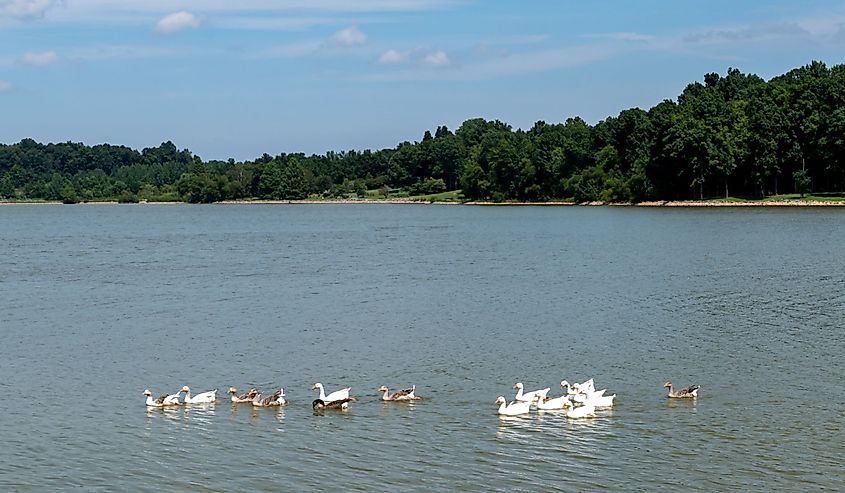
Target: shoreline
{"x":656,"y":203}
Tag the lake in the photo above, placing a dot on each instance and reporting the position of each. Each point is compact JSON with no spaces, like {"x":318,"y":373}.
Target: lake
{"x":100,"y":302}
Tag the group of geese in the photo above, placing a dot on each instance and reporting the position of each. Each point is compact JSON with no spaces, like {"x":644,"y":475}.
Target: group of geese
{"x":579,"y":401}
{"x":338,"y":399}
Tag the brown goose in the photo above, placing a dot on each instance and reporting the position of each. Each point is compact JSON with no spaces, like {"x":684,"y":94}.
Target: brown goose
{"x":399,"y":395}
{"x":248,"y":397}
{"x":342,"y":404}
{"x":690,"y":392}
{"x":276,"y":399}
{"x":162,"y":400}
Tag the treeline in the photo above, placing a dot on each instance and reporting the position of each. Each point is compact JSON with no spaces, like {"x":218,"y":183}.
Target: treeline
{"x":732,"y":135}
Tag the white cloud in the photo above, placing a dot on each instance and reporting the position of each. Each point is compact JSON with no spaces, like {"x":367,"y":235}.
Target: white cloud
{"x":40,"y":59}
{"x":5,"y":86}
{"x":177,"y":21}
{"x":392,"y":56}
{"x":437,"y":59}
{"x":27,"y":9}
{"x":350,"y":36}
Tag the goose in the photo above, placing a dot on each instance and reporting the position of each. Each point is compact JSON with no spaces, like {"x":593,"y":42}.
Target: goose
{"x":556,"y":403}
{"x":515,"y":408}
{"x":277,"y":398}
{"x":162,"y":400}
{"x":334,"y":396}
{"x":342,"y":404}
{"x":600,"y":400}
{"x":581,"y":412}
{"x":401,"y":395}
{"x":203,"y":398}
{"x":529,"y":396}
{"x":237,"y":399}
{"x":578,"y":388}
{"x":690,"y":392}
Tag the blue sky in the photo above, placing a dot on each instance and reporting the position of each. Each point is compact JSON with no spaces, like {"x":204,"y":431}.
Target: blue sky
{"x":237,"y":78}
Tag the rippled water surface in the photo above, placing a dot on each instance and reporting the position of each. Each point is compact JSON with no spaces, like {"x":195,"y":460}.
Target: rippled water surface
{"x":101,"y":302}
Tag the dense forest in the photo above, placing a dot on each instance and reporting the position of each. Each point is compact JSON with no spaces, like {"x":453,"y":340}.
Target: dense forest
{"x":734,"y":135}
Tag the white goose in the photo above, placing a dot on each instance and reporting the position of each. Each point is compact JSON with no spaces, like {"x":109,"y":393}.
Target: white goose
{"x":337,"y":395}
{"x":579,"y":388}
{"x":399,"y":395}
{"x":554,"y":404}
{"x":600,"y":400}
{"x":275,"y":399}
{"x":162,"y":400}
{"x":515,"y":408}
{"x":203,"y":398}
{"x":532,"y":396}
{"x":581,"y":412}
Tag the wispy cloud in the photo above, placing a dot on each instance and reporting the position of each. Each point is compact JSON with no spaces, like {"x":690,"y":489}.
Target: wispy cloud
{"x":392,"y":56}
{"x":437,"y":59}
{"x":5,"y":86}
{"x":40,"y":59}
{"x":177,"y":21}
{"x":750,"y":33}
{"x":350,"y":36}
{"x":27,"y":9}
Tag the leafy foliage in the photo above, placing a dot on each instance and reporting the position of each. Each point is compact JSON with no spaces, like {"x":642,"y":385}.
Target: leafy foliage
{"x":728,"y":135}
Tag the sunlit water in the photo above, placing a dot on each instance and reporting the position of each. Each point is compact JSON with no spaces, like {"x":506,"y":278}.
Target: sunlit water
{"x":101,"y":302}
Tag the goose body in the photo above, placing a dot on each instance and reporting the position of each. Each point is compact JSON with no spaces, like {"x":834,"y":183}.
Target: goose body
{"x":532,"y":396}
{"x":203,"y":398}
{"x":341,"y":404}
{"x":277,"y":398}
{"x":515,"y":408}
{"x":553,"y":404}
{"x":581,"y":412}
{"x":165,"y":400}
{"x":600,"y":400}
{"x":337,"y":395}
{"x":237,"y":399}
{"x":690,"y":392}
{"x":399,"y":395}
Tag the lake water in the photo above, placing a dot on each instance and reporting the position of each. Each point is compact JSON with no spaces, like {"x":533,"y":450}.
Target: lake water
{"x":102,"y":302}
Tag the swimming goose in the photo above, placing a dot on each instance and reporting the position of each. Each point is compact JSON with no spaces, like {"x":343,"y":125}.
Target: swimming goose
{"x":203,"y":398}
{"x":529,"y":396}
{"x":684,"y":393}
{"x":581,"y":412}
{"x":162,"y":400}
{"x":342,"y":404}
{"x":600,"y":400}
{"x":579,"y":388}
{"x":556,"y":403}
{"x":275,"y":399}
{"x":334,"y":396}
{"x":400,"y":395}
{"x":515,"y":408}
{"x":237,"y":399}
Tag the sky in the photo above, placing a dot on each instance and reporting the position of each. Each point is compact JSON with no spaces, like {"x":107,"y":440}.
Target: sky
{"x":238,"y":78}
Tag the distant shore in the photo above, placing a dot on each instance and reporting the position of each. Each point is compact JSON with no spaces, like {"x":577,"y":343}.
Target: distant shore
{"x":656,"y":203}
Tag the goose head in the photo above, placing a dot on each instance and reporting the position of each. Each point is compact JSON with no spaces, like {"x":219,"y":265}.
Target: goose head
{"x":383,"y":388}
{"x":667,"y":385}
{"x":185,"y":389}
{"x":500,"y":399}
{"x":564,"y":384}
{"x":148,"y":393}
{"x":316,"y":386}
{"x":318,"y":404}
{"x":517,"y":386}
{"x":232,"y":390}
